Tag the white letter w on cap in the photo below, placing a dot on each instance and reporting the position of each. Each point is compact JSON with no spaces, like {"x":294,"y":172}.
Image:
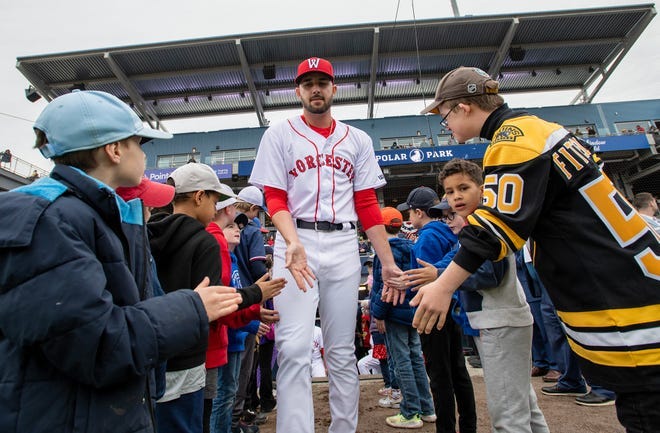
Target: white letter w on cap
{"x":313,"y":63}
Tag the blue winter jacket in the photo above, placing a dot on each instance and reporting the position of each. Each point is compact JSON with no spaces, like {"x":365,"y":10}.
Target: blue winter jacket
{"x":402,"y":313}
{"x":80,"y":333}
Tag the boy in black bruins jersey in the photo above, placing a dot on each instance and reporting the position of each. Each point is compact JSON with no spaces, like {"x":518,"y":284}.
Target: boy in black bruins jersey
{"x":595,"y":254}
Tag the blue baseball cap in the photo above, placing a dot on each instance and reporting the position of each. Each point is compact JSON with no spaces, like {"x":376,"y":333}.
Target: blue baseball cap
{"x":421,"y":197}
{"x":89,"y":119}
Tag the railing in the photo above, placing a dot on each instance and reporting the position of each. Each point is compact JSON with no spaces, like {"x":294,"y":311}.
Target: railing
{"x":23,"y":168}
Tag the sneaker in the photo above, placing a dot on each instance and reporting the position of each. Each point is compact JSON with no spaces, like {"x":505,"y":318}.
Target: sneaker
{"x":556,"y":390}
{"x":249,"y":416}
{"x":474,"y":361}
{"x":429,"y":418}
{"x":261,"y":418}
{"x":245,"y":428}
{"x":386,"y":390}
{"x":538,"y":371}
{"x":592,"y":399}
{"x":401,"y":421}
{"x":391,"y":401}
{"x":552,"y":376}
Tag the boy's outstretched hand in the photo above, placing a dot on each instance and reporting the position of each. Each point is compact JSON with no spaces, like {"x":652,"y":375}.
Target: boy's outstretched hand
{"x":270,"y":288}
{"x":420,"y":276}
{"x":218,"y":300}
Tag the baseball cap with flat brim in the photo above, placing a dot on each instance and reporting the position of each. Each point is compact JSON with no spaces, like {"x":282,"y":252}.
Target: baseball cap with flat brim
{"x":153,"y":194}
{"x":89,"y":119}
{"x":314,"y":64}
{"x":462,"y":82}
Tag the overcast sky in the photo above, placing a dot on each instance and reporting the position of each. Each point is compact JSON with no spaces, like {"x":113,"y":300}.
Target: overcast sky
{"x":47,"y":27}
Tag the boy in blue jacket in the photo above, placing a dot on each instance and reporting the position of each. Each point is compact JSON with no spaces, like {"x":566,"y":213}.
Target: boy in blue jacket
{"x":80,"y":330}
{"x":450,"y":384}
{"x":403,"y":342}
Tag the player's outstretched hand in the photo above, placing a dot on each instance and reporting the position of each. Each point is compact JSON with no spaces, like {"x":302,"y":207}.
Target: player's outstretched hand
{"x":218,"y":300}
{"x":420,"y":276}
{"x":432,"y":304}
{"x":296,"y":263}
{"x":270,"y":288}
{"x":269,"y":316}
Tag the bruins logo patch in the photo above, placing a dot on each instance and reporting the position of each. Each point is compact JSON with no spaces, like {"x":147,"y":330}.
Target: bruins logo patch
{"x":508,"y":133}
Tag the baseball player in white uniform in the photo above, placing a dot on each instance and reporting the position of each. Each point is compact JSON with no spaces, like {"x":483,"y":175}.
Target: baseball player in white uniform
{"x":319,"y":176}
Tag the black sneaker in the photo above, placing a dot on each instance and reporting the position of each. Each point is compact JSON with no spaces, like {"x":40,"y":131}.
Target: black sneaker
{"x":474,"y":361}
{"x":557,"y":390}
{"x":249,"y":416}
{"x":245,"y":428}
{"x":592,"y":399}
{"x":261,"y":418}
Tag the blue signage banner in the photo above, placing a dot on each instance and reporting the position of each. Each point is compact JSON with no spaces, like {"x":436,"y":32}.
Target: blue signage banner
{"x":417,"y":155}
{"x":161,"y":174}
{"x":429,"y":154}
{"x":476,"y":151}
{"x":619,"y":142}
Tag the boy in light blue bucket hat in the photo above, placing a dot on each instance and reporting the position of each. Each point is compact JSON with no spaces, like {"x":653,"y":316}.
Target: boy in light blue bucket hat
{"x":80,"y":332}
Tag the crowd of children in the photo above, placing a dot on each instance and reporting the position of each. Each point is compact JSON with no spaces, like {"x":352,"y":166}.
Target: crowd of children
{"x":165,"y":310}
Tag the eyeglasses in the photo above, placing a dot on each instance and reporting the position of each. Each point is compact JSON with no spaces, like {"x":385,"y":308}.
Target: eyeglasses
{"x":443,"y":122}
{"x":449,"y":217}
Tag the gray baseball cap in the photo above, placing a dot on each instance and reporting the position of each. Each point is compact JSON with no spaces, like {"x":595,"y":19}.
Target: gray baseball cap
{"x":196,"y":176}
{"x":461,"y":83}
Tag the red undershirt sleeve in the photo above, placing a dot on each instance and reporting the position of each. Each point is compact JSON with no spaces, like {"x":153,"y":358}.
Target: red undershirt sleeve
{"x":276,"y":199}
{"x":367,"y":208}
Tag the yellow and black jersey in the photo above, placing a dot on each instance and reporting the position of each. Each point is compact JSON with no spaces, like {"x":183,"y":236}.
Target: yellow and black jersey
{"x":597,"y":256}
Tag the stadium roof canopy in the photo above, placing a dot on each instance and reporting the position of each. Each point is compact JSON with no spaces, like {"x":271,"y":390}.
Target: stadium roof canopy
{"x":573,"y":49}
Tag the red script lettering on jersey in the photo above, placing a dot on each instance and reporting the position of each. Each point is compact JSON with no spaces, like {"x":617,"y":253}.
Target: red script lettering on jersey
{"x":310,"y":162}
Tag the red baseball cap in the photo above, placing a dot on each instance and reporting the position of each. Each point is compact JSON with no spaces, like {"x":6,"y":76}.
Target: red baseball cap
{"x":391,"y":217}
{"x":314,"y":64}
{"x":153,"y":194}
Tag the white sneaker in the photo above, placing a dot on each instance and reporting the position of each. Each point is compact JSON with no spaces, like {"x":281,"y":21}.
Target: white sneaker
{"x":429,"y":418}
{"x":391,"y":401}
{"x":386,"y":390}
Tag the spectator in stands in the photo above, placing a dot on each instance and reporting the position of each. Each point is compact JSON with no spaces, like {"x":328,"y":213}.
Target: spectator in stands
{"x":653,"y":129}
{"x":6,"y":157}
{"x":640,"y":129}
{"x":578,"y":132}
{"x":394,"y":145}
{"x":34,"y":176}
{"x":647,"y":206}
{"x":591,"y":132}
{"x":364,"y":246}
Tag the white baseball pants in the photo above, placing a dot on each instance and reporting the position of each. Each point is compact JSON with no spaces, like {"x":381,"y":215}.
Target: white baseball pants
{"x":334,"y":259}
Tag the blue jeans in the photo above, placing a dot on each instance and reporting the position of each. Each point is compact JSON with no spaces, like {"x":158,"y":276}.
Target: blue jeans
{"x":182,"y":415}
{"x":406,"y":348}
{"x":223,"y":403}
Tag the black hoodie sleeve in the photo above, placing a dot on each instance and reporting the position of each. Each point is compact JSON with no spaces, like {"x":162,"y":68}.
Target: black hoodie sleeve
{"x":251,"y":295}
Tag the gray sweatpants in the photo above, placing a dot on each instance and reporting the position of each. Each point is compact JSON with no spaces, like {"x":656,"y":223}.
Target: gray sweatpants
{"x":506,"y":359}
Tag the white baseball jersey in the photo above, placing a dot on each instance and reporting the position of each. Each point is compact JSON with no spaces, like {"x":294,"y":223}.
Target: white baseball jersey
{"x":319,"y":174}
